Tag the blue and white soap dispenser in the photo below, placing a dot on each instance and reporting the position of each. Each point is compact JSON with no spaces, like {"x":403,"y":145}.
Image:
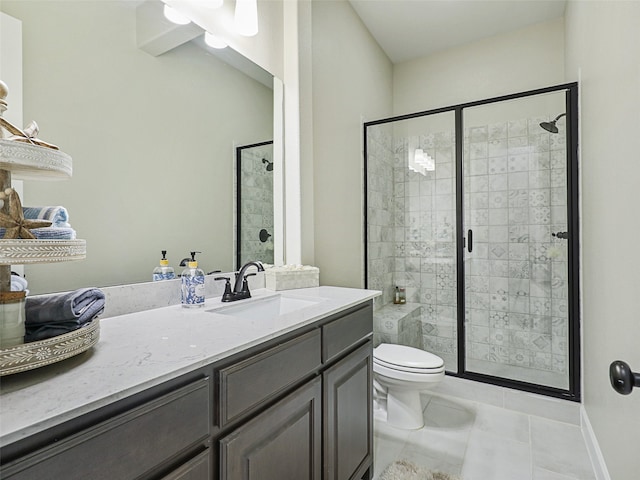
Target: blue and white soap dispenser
{"x":193,"y":284}
{"x":163,"y":271}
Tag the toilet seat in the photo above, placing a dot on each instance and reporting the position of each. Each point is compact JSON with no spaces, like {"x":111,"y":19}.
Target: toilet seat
{"x":401,"y":374}
{"x":407,"y":359}
{"x":400,"y":368}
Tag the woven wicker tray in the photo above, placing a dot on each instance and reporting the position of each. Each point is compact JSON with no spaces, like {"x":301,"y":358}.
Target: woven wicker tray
{"x":51,"y":350}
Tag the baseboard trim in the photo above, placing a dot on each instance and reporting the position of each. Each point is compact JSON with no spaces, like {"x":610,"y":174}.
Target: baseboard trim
{"x":597,"y":460}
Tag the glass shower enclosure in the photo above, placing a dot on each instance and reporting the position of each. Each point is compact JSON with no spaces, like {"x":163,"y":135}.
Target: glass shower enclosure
{"x":473,"y":210}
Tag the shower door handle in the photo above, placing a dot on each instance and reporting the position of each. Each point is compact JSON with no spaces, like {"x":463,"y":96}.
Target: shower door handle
{"x":469,"y":240}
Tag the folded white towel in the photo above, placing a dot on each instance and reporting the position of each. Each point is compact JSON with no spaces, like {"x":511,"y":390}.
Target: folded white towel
{"x":18,"y":284}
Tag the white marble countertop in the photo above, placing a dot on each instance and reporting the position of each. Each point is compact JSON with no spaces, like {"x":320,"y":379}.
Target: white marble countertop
{"x":140,"y":350}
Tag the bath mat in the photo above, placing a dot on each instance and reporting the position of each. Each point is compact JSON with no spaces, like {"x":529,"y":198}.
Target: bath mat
{"x":404,"y":470}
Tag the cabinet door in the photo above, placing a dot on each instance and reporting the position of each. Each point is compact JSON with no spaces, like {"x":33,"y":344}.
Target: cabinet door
{"x":282,"y":443}
{"x":348,"y":434}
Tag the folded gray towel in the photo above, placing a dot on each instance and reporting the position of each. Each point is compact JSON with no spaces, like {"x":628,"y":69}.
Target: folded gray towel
{"x":79,"y":306}
{"x":42,"y":332}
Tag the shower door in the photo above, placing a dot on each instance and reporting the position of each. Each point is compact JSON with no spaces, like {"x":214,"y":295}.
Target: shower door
{"x":473,"y":210}
{"x":516,"y":243}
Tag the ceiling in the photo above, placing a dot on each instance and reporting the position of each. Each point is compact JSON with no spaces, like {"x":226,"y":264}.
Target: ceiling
{"x":409,"y":29}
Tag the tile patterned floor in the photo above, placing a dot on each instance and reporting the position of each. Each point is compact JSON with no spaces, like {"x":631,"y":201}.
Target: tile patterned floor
{"x":481,"y":442}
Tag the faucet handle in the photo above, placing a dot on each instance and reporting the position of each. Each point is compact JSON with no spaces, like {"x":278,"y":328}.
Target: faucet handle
{"x":227,"y":296}
{"x":245,"y":283}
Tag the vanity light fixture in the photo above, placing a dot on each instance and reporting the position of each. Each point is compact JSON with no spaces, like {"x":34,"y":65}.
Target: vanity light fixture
{"x":246,"y":17}
{"x":214,"y":41}
{"x":175,"y":16}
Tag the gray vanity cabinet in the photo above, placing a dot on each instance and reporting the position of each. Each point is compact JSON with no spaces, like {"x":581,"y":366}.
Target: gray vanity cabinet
{"x":320,"y":430}
{"x":296,"y":407}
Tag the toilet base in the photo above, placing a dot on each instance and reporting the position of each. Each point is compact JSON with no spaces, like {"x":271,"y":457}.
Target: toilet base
{"x":404,"y":409}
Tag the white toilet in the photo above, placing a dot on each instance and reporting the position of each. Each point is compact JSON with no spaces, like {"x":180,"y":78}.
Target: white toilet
{"x":400,"y":374}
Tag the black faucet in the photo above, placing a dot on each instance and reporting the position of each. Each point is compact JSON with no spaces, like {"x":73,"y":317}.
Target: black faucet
{"x":241,"y":286}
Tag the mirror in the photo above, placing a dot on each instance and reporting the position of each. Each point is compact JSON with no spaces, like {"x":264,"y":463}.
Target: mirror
{"x":254,"y":200}
{"x":152,"y":138}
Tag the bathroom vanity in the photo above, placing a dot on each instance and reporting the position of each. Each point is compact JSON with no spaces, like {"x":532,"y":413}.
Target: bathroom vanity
{"x":220,"y":393}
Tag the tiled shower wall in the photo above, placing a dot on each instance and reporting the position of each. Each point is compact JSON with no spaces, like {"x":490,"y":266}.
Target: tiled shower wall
{"x":425,"y":259}
{"x":380,"y":213}
{"x":516,"y":278}
{"x":256,"y":204}
{"x":516,"y":287}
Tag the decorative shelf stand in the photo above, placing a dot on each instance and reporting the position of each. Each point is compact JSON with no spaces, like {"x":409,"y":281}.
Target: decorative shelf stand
{"x":29,"y":162}
{"x":26,"y":161}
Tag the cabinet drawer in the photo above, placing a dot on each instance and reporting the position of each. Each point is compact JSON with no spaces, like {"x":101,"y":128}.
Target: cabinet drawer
{"x":339,"y":335}
{"x":198,"y":468}
{"x":246,"y":384}
{"x":128,"y":445}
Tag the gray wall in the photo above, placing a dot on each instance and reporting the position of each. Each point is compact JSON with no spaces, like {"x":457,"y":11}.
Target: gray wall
{"x":349,"y":85}
{"x":602,"y":49}
{"x":152,"y":141}
{"x":525,"y":59}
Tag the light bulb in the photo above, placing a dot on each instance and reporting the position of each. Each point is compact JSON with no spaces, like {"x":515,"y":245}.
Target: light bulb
{"x":246,"y":17}
{"x":175,"y":16}
{"x":213,"y":41}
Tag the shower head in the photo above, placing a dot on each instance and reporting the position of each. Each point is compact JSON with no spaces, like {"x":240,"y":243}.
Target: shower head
{"x":551,"y":126}
{"x":269,"y":164}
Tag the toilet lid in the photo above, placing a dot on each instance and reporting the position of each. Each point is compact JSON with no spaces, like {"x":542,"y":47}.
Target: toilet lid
{"x":402,"y":356}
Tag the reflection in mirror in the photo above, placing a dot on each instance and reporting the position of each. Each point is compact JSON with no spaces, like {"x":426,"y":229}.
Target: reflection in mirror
{"x":152,"y":140}
{"x":254,"y":202}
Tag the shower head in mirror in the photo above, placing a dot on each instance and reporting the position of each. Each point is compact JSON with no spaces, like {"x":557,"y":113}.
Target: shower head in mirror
{"x":269,"y":164}
{"x":551,"y":126}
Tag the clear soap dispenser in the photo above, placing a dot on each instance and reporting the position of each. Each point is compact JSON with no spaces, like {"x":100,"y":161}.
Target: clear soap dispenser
{"x":163,"y":271}
{"x":193,"y":284}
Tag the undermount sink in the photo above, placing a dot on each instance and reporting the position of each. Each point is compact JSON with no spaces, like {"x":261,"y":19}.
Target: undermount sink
{"x":266,"y":308}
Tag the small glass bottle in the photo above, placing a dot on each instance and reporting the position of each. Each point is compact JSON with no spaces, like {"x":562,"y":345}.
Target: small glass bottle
{"x":11,"y":319}
{"x":163,"y":271}
{"x":192,"y":281}
{"x":396,"y":296}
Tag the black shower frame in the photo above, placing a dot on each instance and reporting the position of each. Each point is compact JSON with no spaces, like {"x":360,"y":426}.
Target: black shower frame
{"x":573,"y":393}
{"x":239,"y":195}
